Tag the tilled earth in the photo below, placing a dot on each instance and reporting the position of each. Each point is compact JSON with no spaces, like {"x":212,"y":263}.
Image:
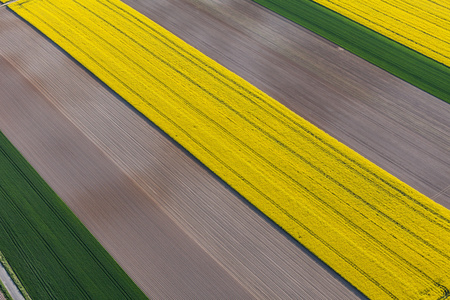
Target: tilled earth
{"x":175,"y":228}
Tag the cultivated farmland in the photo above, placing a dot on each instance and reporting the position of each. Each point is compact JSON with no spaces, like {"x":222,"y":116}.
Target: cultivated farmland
{"x":382,"y":49}
{"x":51,"y":252}
{"x":131,"y":186}
{"x":288,"y":168}
{"x":74,"y":115}
{"x":128,"y":221}
{"x":2,"y":297}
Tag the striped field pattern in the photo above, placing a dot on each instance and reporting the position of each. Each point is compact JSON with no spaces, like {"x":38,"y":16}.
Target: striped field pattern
{"x":422,"y":25}
{"x":396,"y":58}
{"x":384,"y":237}
{"x":53,"y":255}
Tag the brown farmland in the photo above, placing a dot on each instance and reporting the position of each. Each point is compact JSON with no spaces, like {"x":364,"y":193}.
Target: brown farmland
{"x":175,"y":228}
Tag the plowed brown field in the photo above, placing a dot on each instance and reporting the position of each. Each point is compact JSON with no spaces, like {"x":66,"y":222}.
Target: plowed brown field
{"x":175,"y":228}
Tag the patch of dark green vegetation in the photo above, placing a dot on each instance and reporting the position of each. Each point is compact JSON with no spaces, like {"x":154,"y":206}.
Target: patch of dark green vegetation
{"x":52,"y":253}
{"x":403,"y":62}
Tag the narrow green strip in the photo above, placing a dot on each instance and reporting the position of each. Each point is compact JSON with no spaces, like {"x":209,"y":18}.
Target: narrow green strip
{"x":403,"y":62}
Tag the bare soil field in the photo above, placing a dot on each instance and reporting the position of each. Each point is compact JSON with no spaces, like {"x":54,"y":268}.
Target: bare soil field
{"x":173,"y":226}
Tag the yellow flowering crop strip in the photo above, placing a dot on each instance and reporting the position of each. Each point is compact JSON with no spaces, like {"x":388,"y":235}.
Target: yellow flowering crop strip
{"x":385,"y":238}
{"x":422,"y":25}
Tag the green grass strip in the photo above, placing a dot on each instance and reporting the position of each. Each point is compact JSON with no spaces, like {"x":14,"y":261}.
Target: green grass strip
{"x":52,"y":253}
{"x":401,"y":61}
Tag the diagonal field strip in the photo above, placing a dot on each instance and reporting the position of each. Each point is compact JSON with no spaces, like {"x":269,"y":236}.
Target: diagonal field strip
{"x":423,"y":25}
{"x":12,"y":285}
{"x":384,"y":237}
{"x":43,"y":242}
{"x":386,"y":46}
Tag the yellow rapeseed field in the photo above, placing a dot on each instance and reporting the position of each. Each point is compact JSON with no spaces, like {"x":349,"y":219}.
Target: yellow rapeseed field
{"x":384,"y":237}
{"x":422,"y":25}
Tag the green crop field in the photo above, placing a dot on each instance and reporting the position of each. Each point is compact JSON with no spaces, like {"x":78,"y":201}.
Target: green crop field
{"x":52,"y":253}
{"x":403,"y":62}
